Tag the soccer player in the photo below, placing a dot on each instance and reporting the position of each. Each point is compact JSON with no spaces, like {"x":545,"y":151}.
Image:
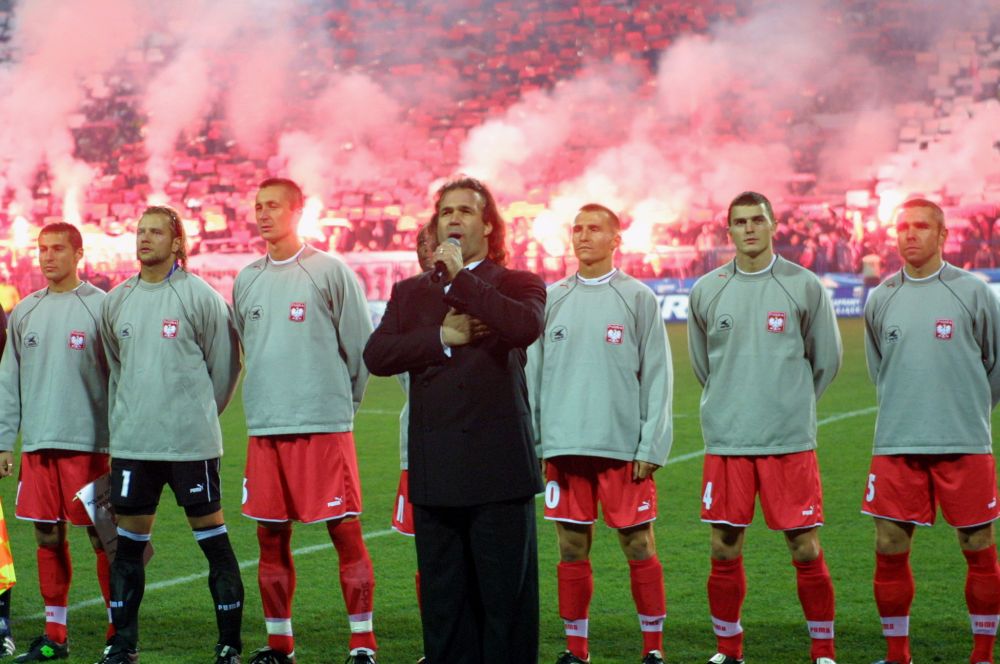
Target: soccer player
{"x":402,"y":516}
{"x":600,"y":380}
{"x":56,"y":347}
{"x":762,"y":328}
{"x":932,"y":339}
{"x":304,"y":322}
{"x":462,"y":333}
{"x":174,"y":359}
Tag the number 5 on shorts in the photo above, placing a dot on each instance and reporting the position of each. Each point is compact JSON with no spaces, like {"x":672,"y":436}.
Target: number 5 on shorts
{"x":871,"y":488}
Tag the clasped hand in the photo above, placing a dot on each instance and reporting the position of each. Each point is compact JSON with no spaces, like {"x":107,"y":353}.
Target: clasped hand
{"x":461,"y":329}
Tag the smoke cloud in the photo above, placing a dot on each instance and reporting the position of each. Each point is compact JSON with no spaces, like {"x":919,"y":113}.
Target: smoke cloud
{"x":751,"y":103}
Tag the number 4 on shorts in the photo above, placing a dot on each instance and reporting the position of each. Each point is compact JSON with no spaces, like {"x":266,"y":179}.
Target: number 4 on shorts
{"x":707,"y":497}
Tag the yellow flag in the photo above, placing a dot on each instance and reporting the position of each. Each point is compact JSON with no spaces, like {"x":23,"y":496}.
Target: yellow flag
{"x":7,"y":578}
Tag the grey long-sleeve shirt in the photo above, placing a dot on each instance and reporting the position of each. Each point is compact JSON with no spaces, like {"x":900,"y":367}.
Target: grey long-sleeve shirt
{"x":600,"y":377}
{"x":175,"y":360}
{"x":54,"y":375}
{"x":764,"y":346}
{"x":932,"y":347}
{"x":304,"y":326}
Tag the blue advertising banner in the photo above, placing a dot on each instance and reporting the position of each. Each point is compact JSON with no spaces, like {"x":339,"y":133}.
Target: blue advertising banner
{"x":847,"y":291}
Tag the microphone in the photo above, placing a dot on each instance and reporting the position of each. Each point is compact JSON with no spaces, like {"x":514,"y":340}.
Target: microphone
{"x":440,"y":270}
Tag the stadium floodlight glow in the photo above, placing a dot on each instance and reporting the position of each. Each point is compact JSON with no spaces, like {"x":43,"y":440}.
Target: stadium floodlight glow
{"x":20,"y":233}
{"x":889,"y":200}
{"x":550,"y":231}
{"x":309,"y":225}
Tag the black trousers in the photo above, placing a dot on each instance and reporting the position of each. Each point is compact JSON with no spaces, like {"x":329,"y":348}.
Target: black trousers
{"x":479,"y":582}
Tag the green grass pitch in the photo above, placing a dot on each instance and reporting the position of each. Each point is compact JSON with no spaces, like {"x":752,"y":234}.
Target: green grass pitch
{"x":178,"y":626}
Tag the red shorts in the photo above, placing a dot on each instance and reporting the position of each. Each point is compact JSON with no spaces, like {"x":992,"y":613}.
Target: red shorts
{"x":307,"y":478}
{"x":909,"y":487}
{"x":402,"y":515}
{"x":575,"y":484}
{"x":791,"y":495}
{"x":49,"y":480}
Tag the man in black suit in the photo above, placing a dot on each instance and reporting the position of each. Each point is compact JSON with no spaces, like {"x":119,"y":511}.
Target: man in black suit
{"x":473,"y":469}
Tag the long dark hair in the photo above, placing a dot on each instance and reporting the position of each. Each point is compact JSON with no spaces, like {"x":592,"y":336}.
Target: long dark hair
{"x":496,"y":240}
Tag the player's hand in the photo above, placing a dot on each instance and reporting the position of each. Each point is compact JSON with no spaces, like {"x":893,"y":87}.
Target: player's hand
{"x":451,"y":255}
{"x":6,"y":464}
{"x":643,"y":469}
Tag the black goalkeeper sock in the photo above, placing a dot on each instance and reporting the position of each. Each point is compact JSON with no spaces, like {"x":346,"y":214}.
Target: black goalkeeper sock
{"x":128,"y":583}
{"x":224,"y":582}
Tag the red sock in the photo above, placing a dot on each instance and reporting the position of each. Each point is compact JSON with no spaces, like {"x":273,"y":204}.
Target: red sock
{"x":416,"y":582}
{"x":104,"y":581}
{"x":576,"y":587}
{"x":55,"y":573}
{"x":276,"y":578}
{"x":894,"y":591}
{"x":357,"y":580}
{"x":650,"y":600}
{"x":727,"y":588}
{"x":982,"y":596}
{"x":817,"y":599}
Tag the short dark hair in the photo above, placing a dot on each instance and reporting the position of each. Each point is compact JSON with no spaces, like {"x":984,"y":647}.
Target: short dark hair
{"x":292,"y":187}
{"x":750,"y":198}
{"x":496,"y":240}
{"x":924,"y":203}
{"x":616,"y":223}
{"x":176,"y":228}
{"x":71,"y":231}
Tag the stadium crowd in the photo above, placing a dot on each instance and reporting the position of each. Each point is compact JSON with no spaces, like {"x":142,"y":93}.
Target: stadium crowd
{"x":497,"y":58}
{"x":128,"y":343}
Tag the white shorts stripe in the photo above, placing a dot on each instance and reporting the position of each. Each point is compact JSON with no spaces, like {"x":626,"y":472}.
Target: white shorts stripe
{"x":577,"y":627}
{"x":983,"y":624}
{"x":278,"y":626}
{"x":208,"y":484}
{"x":820,"y":629}
{"x":724,"y":628}
{"x":895,"y":625}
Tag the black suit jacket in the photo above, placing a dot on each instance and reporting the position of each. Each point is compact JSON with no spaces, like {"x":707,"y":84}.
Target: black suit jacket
{"x":470,"y":438}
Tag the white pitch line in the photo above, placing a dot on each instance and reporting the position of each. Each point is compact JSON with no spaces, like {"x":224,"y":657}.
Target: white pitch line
{"x":826,"y":420}
{"x":176,"y":581}
{"x":847,"y":415}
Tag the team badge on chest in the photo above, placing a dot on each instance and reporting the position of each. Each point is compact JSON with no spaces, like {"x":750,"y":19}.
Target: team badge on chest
{"x":615,"y":334}
{"x":776,"y":321}
{"x":169,"y":329}
{"x":944,"y":328}
{"x":77,"y":340}
{"x":297,"y":312}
